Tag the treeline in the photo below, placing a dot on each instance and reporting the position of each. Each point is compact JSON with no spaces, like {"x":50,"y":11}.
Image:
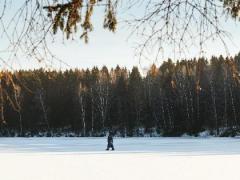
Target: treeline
{"x":188,"y":96}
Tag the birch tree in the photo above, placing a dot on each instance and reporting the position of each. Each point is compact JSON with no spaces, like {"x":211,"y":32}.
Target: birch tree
{"x":103,"y":95}
{"x":81,"y":99}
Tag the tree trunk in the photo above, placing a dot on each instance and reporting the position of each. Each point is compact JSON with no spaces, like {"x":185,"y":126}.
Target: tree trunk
{"x":214,"y":106}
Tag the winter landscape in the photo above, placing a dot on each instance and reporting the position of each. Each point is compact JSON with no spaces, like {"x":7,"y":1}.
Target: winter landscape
{"x":184,"y":158}
{"x":119,"y":89}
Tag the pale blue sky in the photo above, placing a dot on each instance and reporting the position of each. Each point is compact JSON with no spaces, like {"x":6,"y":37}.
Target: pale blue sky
{"x":106,"y":48}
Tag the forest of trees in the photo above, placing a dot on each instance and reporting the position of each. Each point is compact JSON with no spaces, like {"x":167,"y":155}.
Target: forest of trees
{"x":188,"y":96}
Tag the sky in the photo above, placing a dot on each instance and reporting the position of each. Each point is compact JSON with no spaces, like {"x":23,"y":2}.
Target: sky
{"x":111,"y":49}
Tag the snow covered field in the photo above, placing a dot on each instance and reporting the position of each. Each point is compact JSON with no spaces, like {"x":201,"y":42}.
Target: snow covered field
{"x":134,"y":159}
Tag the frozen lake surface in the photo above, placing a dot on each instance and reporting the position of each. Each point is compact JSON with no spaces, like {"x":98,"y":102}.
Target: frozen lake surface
{"x":134,"y":159}
{"x":168,"y":146}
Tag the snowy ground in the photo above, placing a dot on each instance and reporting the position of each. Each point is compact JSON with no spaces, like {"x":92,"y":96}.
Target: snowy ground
{"x":134,"y":159}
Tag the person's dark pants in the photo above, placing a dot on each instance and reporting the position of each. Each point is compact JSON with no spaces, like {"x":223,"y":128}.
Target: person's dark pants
{"x":110,"y":145}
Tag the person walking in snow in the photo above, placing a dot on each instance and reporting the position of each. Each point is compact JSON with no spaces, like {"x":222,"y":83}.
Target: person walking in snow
{"x":110,"y":142}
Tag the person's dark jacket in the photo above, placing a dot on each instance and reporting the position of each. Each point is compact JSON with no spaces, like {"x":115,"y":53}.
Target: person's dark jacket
{"x":110,"y":139}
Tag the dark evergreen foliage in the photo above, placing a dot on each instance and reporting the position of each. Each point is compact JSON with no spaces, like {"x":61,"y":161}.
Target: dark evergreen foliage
{"x":175,"y":98}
